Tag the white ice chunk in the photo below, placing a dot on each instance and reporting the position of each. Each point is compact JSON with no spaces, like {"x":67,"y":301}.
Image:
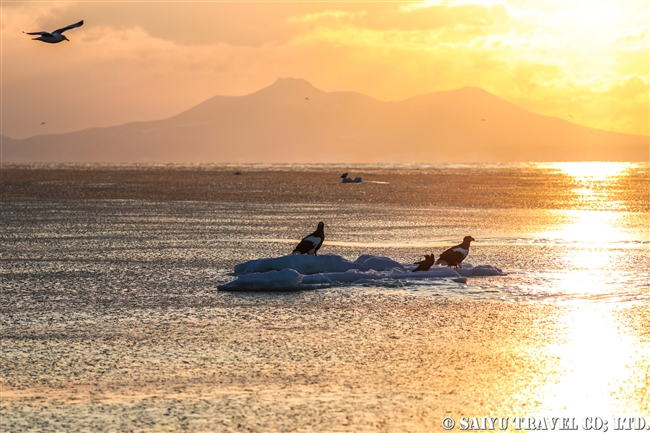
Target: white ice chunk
{"x":296,"y":272}
{"x":286,"y":279}
{"x":369,"y":262}
{"x":479,"y":271}
{"x":355,"y":275}
{"x":306,"y":264}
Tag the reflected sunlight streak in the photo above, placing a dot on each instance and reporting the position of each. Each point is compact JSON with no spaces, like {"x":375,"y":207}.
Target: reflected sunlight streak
{"x":595,"y":184}
{"x":596,"y":360}
{"x":588,"y":227}
{"x":595,"y":364}
{"x":592,"y":171}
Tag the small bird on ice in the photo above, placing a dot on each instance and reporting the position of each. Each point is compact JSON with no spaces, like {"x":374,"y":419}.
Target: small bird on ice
{"x":56,"y":36}
{"x":454,"y":255}
{"x":310,"y":244}
{"x":425,"y":264}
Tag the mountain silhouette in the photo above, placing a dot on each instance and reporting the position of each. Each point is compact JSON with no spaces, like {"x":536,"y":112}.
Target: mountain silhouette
{"x":293,"y":121}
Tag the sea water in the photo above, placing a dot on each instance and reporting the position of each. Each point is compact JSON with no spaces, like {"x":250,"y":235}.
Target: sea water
{"x":555,"y":231}
{"x":112,"y":318}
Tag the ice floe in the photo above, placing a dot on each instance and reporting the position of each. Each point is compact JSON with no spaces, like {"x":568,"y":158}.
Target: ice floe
{"x":306,"y":264}
{"x":304,"y":272}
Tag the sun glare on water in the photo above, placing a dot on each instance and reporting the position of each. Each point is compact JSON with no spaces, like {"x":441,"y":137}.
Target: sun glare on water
{"x":591,"y":171}
{"x":596,"y":357}
{"x":596,"y":215}
{"x":594,"y":366}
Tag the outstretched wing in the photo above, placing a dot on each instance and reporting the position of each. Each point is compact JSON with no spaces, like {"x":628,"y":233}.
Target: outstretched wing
{"x":71,"y":26}
{"x":39,"y":33}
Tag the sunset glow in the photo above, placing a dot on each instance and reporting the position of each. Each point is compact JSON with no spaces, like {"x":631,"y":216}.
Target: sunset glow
{"x":306,"y":215}
{"x":584,"y":62}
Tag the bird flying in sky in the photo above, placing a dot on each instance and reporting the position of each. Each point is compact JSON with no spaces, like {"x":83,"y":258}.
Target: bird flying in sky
{"x":56,"y":36}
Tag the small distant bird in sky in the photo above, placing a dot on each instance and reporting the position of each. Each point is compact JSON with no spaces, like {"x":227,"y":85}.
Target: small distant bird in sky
{"x":482,"y":120}
{"x":570,"y":116}
{"x":56,"y":36}
{"x":42,"y":123}
{"x":307,"y":99}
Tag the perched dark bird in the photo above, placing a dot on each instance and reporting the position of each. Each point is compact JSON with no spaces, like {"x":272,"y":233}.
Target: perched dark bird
{"x":56,"y":36}
{"x":237,"y":173}
{"x":344,"y":175}
{"x":310,"y":244}
{"x":425,"y":264}
{"x":454,"y":255}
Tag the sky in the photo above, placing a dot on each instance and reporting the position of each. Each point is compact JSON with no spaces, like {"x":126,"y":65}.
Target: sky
{"x":583,"y":61}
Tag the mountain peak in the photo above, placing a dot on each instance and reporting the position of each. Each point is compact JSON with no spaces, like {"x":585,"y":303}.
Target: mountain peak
{"x":293,"y":121}
{"x":291,"y":83}
{"x":289,"y":89}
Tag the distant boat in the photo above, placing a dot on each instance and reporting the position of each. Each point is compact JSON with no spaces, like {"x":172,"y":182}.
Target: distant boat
{"x":350,"y":180}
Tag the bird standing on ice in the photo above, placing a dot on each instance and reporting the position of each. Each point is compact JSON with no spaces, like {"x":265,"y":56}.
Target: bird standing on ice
{"x":454,"y":255}
{"x":425,"y":264}
{"x":56,"y":36}
{"x":310,"y":244}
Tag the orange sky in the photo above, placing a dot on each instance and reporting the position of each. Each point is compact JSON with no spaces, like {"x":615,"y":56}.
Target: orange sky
{"x":583,"y":61}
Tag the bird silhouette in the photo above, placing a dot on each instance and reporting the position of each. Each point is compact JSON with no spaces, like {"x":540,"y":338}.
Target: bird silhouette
{"x":56,"y":36}
{"x":425,"y":264}
{"x":454,"y":255}
{"x":310,"y":244}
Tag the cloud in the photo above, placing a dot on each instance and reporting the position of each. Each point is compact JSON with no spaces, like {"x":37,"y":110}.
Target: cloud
{"x":537,"y":57}
{"x":141,"y":61}
{"x":200,"y":23}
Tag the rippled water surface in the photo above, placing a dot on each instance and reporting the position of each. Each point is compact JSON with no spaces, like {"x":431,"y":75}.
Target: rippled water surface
{"x":558,"y":230}
{"x":111,"y":319}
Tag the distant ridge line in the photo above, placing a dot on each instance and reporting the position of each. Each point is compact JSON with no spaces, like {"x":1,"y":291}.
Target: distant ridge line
{"x":294,"y":122}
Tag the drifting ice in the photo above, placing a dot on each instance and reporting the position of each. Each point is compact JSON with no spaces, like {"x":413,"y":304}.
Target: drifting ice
{"x":300,"y":272}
